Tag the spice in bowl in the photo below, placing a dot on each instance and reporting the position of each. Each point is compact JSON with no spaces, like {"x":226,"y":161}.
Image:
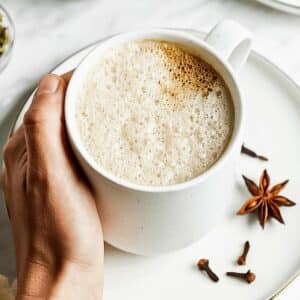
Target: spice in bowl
{"x":7,"y":38}
{"x":4,"y":36}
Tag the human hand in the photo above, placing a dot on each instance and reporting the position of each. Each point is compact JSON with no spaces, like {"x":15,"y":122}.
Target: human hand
{"x":56,"y":227}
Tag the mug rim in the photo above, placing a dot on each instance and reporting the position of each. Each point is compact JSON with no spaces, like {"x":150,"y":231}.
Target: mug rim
{"x":88,"y":61}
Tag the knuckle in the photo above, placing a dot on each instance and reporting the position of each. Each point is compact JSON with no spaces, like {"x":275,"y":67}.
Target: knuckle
{"x":38,"y":178}
{"x":32,"y":117}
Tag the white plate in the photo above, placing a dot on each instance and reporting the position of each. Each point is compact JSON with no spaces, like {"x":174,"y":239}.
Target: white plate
{"x":272,"y":128}
{"x":289,"y":6}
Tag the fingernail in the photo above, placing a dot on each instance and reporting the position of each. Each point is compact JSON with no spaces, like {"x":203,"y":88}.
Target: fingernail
{"x":48,"y":85}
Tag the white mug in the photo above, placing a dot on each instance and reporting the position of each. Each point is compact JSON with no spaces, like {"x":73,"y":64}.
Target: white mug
{"x":150,"y":220}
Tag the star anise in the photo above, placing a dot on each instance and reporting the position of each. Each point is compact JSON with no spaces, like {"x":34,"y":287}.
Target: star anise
{"x":266,"y":201}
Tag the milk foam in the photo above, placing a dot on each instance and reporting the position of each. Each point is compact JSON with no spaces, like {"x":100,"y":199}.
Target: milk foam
{"x":154,"y":114}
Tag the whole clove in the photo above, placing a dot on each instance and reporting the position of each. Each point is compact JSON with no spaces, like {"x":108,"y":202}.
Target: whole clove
{"x":203,"y":265}
{"x":253,"y":154}
{"x":249,"y":277}
{"x":242,"y":259}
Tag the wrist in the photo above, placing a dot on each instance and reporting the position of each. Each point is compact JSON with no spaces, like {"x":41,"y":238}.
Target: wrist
{"x":40,"y":281}
{"x":78,"y":282}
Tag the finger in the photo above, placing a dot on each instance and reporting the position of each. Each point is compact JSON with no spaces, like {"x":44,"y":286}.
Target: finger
{"x":49,"y":86}
{"x":43,"y":122}
{"x":67,"y":76}
{"x":16,"y":134}
{"x":2,"y":178}
{"x":15,"y":148}
{"x":3,"y":183}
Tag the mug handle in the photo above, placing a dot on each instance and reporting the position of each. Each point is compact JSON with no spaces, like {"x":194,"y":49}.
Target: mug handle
{"x":232,"y":41}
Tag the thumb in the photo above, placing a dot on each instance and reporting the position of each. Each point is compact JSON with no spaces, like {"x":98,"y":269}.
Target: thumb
{"x":44,"y":122}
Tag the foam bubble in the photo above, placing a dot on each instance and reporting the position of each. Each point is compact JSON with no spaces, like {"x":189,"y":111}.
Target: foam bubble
{"x":154,"y":114}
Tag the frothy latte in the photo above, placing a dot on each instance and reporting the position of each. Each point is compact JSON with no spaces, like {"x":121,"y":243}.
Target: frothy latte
{"x":152,"y":113}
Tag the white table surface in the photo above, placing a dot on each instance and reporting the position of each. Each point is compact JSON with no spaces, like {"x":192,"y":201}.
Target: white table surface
{"x":50,"y":30}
